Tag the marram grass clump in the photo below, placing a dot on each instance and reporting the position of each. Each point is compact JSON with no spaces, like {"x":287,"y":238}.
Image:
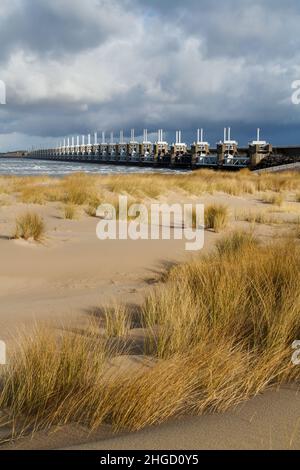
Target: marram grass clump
{"x":69,"y":212}
{"x":239,"y":241}
{"x":29,"y":226}
{"x":216,"y":217}
{"x":243,"y":293}
{"x":117,"y":321}
{"x":276,"y":199}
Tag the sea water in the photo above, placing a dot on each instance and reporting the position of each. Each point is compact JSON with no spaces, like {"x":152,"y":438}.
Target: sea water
{"x":24,"y":167}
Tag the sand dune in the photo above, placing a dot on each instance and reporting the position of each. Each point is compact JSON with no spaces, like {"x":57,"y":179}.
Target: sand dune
{"x":72,"y":271}
{"x":267,"y":422}
{"x":64,"y":280}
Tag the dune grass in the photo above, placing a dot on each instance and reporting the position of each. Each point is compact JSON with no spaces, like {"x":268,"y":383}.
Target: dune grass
{"x":237,"y":242}
{"x":48,"y":374}
{"x":33,"y":195}
{"x":266,"y":217}
{"x":202,"y":181}
{"x":274,"y":199}
{"x":220,"y":331}
{"x":257,"y":217}
{"x":78,"y":189}
{"x":82,"y":189}
{"x":29,"y":226}
{"x":94,"y":202}
{"x":69,"y":212}
{"x":117,"y":321}
{"x":216,"y":217}
{"x":91,"y":211}
{"x":4,"y":202}
{"x":253,"y":301}
{"x":36,"y":190}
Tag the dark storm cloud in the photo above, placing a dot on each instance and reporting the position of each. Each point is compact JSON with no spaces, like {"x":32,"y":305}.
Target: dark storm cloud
{"x":55,"y":27}
{"x":74,"y":66}
{"x":250,"y":28}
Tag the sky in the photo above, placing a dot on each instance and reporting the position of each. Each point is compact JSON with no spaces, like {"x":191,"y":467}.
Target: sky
{"x":74,"y":67}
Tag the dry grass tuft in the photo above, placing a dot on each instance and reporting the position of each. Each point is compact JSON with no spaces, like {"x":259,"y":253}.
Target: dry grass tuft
{"x":93,"y":204}
{"x":238,"y":242}
{"x":275,"y":199}
{"x":91,"y":211}
{"x":50,"y":375}
{"x":78,"y":189}
{"x":29,"y":226}
{"x":117,"y":321}
{"x":216,"y":217}
{"x":33,"y":195}
{"x":257,"y":217}
{"x":69,"y":212}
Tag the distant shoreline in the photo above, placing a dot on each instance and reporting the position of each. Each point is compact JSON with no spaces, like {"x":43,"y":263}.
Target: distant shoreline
{"x":20,"y":154}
